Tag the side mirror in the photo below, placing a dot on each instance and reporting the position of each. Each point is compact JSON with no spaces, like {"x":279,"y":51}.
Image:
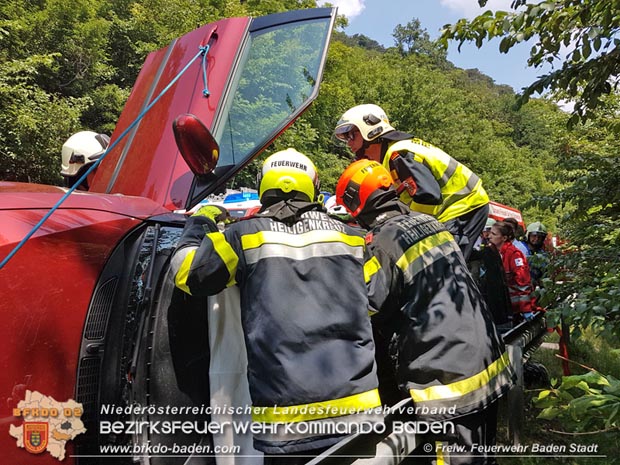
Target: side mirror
{"x":197,"y":145}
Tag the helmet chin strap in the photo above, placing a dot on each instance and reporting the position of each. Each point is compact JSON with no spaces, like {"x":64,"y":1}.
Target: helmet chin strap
{"x":361,"y":153}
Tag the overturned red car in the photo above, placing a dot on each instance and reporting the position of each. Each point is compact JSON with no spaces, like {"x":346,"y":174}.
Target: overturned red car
{"x":86,"y":333}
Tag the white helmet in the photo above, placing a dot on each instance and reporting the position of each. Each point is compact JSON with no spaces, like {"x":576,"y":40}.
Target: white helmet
{"x":81,"y":149}
{"x":369,"y":119}
{"x":334,"y":209}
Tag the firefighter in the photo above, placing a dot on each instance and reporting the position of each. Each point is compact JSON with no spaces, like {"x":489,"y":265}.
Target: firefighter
{"x":537,"y":256}
{"x":310,"y":350}
{"x":516,"y":270}
{"x":426,"y":178}
{"x":449,"y":357}
{"x":78,"y":153}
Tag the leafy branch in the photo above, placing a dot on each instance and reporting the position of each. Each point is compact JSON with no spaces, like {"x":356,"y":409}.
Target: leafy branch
{"x":583,"y":402}
{"x":585,"y":32}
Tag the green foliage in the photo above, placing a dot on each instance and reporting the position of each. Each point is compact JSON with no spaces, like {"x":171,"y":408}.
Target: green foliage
{"x":586,"y":31}
{"x":583,"y":184}
{"x":69,"y":65}
{"x":413,"y":38}
{"x":359,"y":40}
{"x":95,"y":50}
{"x":585,"y":402}
{"x":586,"y":273}
{"x":33,"y":122}
{"x":107,"y":103}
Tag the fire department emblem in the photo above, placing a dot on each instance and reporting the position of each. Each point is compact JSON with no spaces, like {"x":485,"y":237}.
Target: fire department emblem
{"x":35,"y":436}
{"x":47,"y":424}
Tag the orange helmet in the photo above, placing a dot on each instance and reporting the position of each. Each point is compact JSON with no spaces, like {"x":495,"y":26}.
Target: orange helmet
{"x":358,"y":182}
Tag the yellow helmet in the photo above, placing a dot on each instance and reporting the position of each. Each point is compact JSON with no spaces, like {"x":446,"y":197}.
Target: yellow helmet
{"x":288,"y":174}
{"x":370,"y":120}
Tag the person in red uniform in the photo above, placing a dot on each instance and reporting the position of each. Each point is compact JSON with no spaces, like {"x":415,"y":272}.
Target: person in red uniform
{"x":516,"y":269}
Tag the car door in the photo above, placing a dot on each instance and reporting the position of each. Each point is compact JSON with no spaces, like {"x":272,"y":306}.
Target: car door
{"x":257,"y":75}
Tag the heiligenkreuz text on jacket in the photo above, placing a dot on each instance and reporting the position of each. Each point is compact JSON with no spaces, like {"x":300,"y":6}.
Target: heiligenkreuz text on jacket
{"x":304,"y":310}
{"x":450,"y":356}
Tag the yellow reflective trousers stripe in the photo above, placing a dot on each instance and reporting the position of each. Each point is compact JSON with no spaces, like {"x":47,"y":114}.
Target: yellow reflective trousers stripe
{"x":463,"y":387}
{"x":318,"y":410}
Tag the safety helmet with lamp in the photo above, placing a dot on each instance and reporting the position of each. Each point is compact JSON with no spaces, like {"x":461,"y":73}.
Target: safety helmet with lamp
{"x":81,"y":149}
{"x":288,"y":174}
{"x":369,"y":119}
{"x":359,"y":181}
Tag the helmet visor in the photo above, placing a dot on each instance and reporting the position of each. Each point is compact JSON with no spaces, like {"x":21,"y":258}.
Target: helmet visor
{"x":345,"y":132}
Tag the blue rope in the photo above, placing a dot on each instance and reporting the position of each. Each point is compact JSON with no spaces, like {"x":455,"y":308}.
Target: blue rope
{"x":203,"y":51}
{"x":205,"y":91}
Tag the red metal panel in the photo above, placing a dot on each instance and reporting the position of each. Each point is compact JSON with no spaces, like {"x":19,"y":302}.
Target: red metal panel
{"x":152,"y":166}
{"x":46,"y":290}
{"x":17,"y":196}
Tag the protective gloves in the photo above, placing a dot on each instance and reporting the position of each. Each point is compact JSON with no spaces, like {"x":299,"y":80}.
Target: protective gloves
{"x":214,"y":212}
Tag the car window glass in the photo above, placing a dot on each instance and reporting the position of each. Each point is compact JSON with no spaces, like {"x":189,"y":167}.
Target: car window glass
{"x":280,"y":74}
{"x":276,"y":77}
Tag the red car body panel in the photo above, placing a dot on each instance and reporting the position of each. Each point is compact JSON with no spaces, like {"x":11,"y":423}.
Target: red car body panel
{"x":66,"y":255}
{"x":16,"y":196}
{"x":41,"y":331}
{"x":149,"y":151}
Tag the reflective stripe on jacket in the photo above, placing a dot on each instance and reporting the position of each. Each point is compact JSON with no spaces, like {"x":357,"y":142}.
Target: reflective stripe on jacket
{"x":304,"y":311}
{"x":450,"y":357}
{"x":461,"y":189}
{"x":518,"y":278}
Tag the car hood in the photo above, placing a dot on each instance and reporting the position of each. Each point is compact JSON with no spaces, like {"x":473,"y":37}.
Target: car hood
{"x":23,"y":196}
{"x":260,"y":75}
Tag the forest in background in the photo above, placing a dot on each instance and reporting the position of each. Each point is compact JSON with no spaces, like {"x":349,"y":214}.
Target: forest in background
{"x":69,"y":65}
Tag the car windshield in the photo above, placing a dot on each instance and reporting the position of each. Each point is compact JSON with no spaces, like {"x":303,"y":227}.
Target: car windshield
{"x":280,"y":73}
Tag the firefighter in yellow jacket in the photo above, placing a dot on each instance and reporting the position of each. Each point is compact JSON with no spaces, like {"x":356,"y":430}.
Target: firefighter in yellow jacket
{"x":449,"y":357}
{"x":426,"y":178}
{"x":310,"y":349}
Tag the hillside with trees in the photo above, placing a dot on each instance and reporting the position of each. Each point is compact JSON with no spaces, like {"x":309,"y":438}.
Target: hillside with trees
{"x":69,"y":65}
